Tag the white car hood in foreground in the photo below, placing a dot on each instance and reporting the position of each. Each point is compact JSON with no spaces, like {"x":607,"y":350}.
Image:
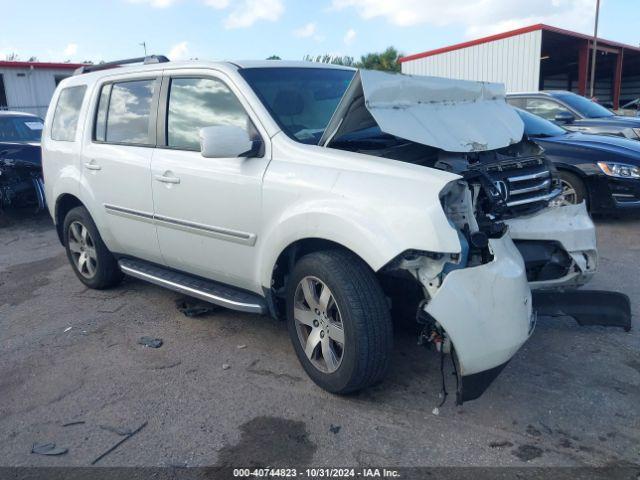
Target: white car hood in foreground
{"x":453,"y":115}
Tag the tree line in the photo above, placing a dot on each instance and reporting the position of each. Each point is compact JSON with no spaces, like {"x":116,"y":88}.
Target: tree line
{"x":387,"y":60}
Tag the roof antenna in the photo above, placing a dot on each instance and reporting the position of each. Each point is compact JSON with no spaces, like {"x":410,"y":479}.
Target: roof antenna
{"x":144,"y":45}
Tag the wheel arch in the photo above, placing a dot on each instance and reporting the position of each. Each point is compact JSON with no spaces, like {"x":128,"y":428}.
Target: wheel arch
{"x":64,"y":204}
{"x":287,"y":259}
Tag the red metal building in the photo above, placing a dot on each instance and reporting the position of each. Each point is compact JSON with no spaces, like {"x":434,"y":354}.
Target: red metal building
{"x":538,"y":57}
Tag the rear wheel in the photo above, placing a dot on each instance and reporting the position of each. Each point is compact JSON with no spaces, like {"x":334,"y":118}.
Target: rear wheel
{"x":338,"y":320}
{"x":573,"y":189}
{"x":91,"y":260}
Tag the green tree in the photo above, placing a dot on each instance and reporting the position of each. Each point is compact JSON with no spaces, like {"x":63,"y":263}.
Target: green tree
{"x":333,"y":59}
{"x":274,"y":57}
{"x":387,"y":60}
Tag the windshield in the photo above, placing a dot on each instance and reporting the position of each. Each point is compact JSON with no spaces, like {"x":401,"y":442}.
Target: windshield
{"x":301,"y":100}
{"x":535,"y":126}
{"x":14,"y":128}
{"x":584,"y":106}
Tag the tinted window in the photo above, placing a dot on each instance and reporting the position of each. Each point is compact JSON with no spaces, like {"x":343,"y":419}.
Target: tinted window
{"x":15,"y":128}
{"x":584,"y":106}
{"x":65,"y":116}
{"x":545,"y":108}
{"x":535,"y":126}
{"x":195,"y":103}
{"x":301,"y":100}
{"x":129,"y":112}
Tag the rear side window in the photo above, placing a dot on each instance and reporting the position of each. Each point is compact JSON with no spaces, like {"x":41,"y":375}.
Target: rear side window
{"x":195,"y":103}
{"x":124,"y":113}
{"x":65,"y":116}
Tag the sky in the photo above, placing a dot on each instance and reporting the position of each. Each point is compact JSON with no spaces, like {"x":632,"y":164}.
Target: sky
{"x":73,"y":30}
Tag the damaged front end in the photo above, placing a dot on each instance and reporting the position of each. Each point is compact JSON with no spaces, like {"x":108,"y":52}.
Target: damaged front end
{"x":21,"y":183}
{"x":476,"y":304}
{"x":468,"y":128}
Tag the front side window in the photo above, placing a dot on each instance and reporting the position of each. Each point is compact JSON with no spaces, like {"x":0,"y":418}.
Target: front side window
{"x":124,"y":113}
{"x":544,"y":108}
{"x":195,"y":103}
{"x":301,"y":100}
{"x":65,"y":116}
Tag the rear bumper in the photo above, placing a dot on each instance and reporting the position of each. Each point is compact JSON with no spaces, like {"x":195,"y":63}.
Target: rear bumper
{"x":572,"y":228}
{"x":486,"y":310}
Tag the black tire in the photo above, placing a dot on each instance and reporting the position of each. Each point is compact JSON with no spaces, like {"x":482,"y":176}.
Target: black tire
{"x":365,"y":317}
{"x":106,"y":273}
{"x":576,"y":184}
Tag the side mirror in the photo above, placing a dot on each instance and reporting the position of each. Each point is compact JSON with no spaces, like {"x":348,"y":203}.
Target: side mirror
{"x":564,"y":117}
{"x":228,"y":141}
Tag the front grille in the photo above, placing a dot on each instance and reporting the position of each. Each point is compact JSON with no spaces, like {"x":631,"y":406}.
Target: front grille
{"x":524,"y":183}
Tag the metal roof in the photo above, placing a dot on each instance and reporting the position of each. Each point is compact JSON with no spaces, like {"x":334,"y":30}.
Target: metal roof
{"x":512,"y":33}
{"x":43,"y":65}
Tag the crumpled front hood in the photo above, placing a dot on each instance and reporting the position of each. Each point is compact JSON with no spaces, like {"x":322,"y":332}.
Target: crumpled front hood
{"x":453,"y":115}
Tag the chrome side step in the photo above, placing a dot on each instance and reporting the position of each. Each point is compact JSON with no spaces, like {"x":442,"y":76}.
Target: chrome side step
{"x":207,"y":290}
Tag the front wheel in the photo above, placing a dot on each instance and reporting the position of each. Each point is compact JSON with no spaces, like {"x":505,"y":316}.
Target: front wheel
{"x":339,"y":321}
{"x":573,"y":189}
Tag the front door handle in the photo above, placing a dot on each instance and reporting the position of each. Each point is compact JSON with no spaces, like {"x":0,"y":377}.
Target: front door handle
{"x":166,"y":179}
{"x":92,"y":165}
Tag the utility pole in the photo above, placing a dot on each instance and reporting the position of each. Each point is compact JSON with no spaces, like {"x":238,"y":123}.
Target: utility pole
{"x":144,"y":44}
{"x":595,"y":49}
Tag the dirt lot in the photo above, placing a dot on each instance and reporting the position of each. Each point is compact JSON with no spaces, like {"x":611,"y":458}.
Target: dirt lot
{"x":68,"y":354}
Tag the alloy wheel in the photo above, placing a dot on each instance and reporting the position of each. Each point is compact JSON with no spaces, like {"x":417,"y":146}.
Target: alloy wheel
{"x":569,"y":196}
{"x":319,"y":324}
{"x":83,"y":250}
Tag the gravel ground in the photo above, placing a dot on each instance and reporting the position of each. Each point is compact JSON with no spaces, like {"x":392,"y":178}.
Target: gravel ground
{"x":68,"y":354}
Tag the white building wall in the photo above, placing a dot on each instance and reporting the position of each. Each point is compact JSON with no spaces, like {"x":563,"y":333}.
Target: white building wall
{"x":514,"y":61}
{"x":30,"y":89}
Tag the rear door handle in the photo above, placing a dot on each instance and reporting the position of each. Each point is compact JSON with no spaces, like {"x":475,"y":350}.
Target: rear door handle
{"x":92,"y":165}
{"x":166,"y":179}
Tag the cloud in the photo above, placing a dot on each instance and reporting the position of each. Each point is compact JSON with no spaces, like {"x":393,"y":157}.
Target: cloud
{"x":70,"y":50}
{"x":242,"y":13}
{"x":246,"y":12}
{"x":217,"y":4}
{"x":307,"y":30}
{"x":478,"y":17}
{"x":156,"y":3}
{"x":350,"y":36}
{"x":179,"y":51}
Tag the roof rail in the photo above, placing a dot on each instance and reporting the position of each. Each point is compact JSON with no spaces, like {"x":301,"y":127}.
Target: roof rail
{"x":103,"y":66}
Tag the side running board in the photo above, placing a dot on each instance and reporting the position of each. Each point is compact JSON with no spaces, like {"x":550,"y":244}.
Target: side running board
{"x":207,"y":290}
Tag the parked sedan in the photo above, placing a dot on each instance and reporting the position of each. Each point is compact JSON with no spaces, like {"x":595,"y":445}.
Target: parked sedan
{"x":603,"y":170}
{"x":576,"y":113}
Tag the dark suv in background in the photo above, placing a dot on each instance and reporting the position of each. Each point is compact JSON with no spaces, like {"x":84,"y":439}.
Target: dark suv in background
{"x":577,"y":113}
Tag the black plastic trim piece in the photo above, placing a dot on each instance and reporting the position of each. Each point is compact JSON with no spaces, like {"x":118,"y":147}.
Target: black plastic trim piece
{"x":587,"y":307}
{"x":474,"y":385}
{"x":149,"y":59}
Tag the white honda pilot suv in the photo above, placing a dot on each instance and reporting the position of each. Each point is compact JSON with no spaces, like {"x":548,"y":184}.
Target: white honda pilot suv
{"x":323,"y":195}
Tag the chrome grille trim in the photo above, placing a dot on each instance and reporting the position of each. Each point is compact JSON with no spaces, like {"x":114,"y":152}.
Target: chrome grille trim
{"x":532,"y":176}
{"x":533,"y":188}
{"x":540,"y":198}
